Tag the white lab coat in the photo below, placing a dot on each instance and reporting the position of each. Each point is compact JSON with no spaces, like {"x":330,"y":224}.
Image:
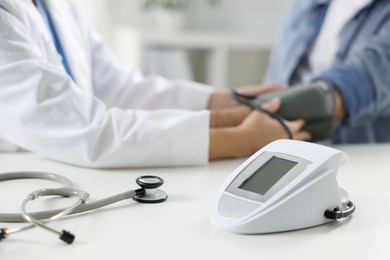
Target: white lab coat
{"x":108,"y":118}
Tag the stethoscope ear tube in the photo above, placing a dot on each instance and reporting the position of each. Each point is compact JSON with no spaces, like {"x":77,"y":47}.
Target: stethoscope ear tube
{"x":336,"y":213}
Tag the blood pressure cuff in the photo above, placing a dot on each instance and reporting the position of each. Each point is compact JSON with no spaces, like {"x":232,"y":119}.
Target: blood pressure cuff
{"x":313,"y":102}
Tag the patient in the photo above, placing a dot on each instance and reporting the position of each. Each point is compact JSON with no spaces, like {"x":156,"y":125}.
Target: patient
{"x":346,"y":45}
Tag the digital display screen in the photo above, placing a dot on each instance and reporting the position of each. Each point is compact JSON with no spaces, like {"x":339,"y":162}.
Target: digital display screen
{"x":267,"y":175}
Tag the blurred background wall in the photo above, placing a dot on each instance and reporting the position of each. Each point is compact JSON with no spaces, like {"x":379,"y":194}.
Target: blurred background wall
{"x":223,"y":45}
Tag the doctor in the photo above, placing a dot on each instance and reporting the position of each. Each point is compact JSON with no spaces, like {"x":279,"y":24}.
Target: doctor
{"x":62,"y":95}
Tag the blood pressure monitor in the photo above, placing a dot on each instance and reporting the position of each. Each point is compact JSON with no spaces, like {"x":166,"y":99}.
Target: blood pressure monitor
{"x":286,"y":185}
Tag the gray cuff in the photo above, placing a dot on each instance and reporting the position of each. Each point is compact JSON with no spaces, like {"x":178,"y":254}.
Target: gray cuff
{"x":313,"y":102}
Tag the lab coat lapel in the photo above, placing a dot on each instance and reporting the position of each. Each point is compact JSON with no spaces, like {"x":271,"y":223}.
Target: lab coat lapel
{"x":28,"y":13}
{"x":73,"y":43}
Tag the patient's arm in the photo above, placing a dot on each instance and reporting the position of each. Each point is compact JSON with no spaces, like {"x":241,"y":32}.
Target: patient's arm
{"x":339,"y":109}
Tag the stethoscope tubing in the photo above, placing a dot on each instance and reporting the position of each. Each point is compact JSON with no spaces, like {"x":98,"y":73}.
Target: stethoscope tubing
{"x":39,"y":215}
{"x":47,"y":214}
{"x":36,"y":175}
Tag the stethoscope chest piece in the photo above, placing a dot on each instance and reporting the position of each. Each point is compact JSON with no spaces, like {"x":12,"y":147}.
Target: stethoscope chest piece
{"x":151,"y":194}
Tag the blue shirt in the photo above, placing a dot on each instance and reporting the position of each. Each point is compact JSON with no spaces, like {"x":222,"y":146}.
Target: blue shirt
{"x":41,"y":5}
{"x":361,"y":70}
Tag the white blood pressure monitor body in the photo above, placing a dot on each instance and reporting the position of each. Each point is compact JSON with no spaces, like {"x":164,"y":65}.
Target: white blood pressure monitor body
{"x":286,"y":185}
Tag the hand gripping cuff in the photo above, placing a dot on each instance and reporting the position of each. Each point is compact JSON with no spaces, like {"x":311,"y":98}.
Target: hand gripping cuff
{"x":313,"y":102}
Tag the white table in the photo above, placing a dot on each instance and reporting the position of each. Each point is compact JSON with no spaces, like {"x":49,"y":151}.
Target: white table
{"x":180,"y":227}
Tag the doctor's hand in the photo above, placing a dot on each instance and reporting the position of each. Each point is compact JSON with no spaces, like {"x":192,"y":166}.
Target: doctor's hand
{"x":254,"y":132}
{"x":221,"y":98}
{"x":231,"y":116}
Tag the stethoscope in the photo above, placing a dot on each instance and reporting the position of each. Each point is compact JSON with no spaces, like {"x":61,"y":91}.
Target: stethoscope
{"x":148,"y":193}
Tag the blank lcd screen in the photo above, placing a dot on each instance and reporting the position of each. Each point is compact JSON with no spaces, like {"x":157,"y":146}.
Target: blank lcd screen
{"x":267,"y":175}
